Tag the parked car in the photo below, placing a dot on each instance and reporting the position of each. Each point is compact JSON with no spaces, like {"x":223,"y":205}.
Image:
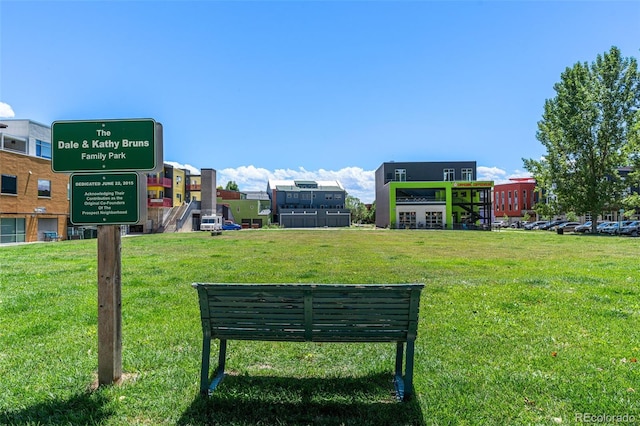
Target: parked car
{"x":602,"y":225}
{"x":551,"y":224}
{"x":568,"y":226}
{"x":613,"y":228}
{"x":534,"y":225}
{"x":230,"y":226}
{"x":632,"y":229}
{"x":585,"y":227}
{"x":499,"y":224}
{"x":607,"y":228}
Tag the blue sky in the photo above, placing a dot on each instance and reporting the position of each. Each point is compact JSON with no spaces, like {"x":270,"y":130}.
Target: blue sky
{"x":309,"y":89}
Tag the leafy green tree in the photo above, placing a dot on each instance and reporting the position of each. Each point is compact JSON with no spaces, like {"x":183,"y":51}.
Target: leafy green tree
{"x":632,"y":200}
{"x":586,"y":129}
{"x":371,"y":214}
{"x":232,"y":186}
{"x":358,"y":209}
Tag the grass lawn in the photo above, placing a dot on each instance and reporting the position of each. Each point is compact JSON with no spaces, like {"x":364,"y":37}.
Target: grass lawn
{"x":516,"y":327}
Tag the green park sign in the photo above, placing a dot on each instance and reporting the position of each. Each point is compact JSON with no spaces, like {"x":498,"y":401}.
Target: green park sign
{"x":105,"y":145}
{"x":105,"y":199}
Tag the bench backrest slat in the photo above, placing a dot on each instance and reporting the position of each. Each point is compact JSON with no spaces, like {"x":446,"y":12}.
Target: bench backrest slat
{"x":312,"y":312}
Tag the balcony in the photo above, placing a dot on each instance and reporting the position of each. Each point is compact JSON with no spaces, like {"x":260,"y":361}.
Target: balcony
{"x":193,"y":187}
{"x":427,"y":199}
{"x":156,"y":181}
{"x":159,"y":202}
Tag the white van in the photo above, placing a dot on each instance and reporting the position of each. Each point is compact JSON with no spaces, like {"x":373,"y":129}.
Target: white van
{"x":211,"y":223}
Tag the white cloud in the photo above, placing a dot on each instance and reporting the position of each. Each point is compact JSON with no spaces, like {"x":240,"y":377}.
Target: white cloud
{"x":356,"y":181}
{"x":520,"y":174}
{"x":189,"y":167}
{"x":6,"y":111}
{"x":498,"y":175}
{"x":491,"y":173}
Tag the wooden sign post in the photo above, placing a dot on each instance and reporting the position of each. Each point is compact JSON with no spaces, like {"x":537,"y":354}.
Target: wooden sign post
{"x":106,"y":194}
{"x":109,"y":305}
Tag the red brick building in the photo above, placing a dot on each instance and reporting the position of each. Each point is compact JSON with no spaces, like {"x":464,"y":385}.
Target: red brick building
{"x":515,"y":199}
{"x":34,"y":201}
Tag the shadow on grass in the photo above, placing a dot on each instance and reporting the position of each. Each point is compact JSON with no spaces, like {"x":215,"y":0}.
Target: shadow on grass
{"x":83,"y":408}
{"x":242,"y":400}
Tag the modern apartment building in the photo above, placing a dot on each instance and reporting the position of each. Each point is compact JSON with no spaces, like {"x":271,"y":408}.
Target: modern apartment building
{"x":432,"y":195}
{"x":34,"y":201}
{"x":308,"y":203}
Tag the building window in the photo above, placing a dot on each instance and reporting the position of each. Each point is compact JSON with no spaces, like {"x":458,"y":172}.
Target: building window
{"x":44,"y":188}
{"x":9,"y":184}
{"x":43,"y":149}
{"x":12,"y":230}
{"x":524,"y":199}
{"x":449,"y":174}
{"x":433,"y":220}
{"x":515,"y":200}
{"x":467,"y":174}
{"x":401,"y":175}
{"x":407,"y":220}
{"x":15,"y":145}
{"x":328,"y":196}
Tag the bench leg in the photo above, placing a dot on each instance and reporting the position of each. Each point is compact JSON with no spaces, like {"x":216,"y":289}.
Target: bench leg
{"x":205,"y":387}
{"x":408,"y":374}
{"x":404,"y":382}
{"x":222,"y":356}
{"x":204,"y":370}
{"x":398,"y":380}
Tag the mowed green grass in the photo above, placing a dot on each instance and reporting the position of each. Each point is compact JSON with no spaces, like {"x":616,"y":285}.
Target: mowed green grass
{"x":515,"y":328}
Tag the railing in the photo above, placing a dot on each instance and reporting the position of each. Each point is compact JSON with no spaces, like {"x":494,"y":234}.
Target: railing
{"x":419,"y":200}
{"x":187,"y":213}
{"x":193,"y":187}
{"x":159,"y":202}
{"x":156,"y":181}
{"x":312,"y":209}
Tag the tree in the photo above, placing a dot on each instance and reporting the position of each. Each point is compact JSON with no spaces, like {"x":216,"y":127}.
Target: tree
{"x":632,"y":200}
{"x":371,"y":216}
{"x":232,"y":186}
{"x":359,"y":211}
{"x":586,"y":129}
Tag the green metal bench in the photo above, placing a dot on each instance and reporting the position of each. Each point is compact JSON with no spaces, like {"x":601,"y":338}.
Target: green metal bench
{"x":310,"y":312}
